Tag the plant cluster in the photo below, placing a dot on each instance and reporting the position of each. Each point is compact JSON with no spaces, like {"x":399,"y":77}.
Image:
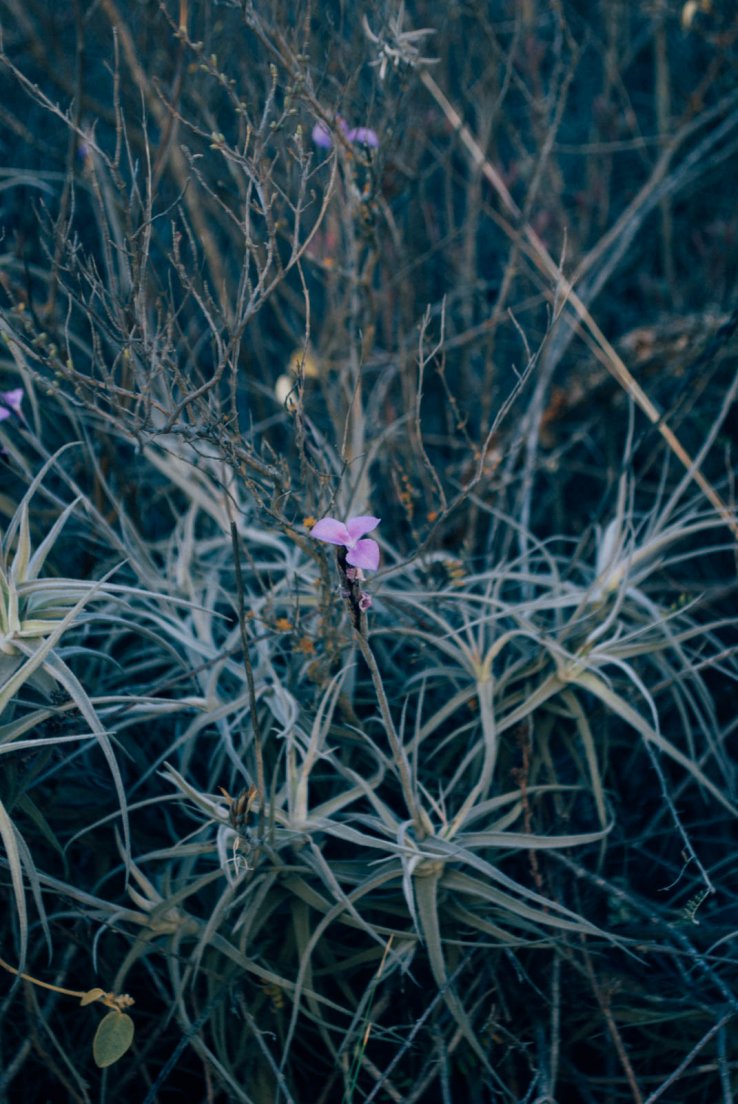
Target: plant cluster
{"x":368,"y":556}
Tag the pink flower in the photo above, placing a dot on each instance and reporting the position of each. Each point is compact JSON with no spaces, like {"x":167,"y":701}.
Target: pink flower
{"x":10,"y":403}
{"x":359,"y":553}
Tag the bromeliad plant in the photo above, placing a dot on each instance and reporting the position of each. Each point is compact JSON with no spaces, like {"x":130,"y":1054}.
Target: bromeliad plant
{"x":36,"y":613}
{"x":353,"y":855}
{"x":50,"y":645}
{"x":412,"y":798}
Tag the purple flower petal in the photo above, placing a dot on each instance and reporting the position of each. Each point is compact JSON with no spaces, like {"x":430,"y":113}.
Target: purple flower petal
{"x":364,"y":554}
{"x":331,"y":531}
{"x":12,"y":399}
{"x":321,"y":136}
{"x":365,"y":136}
{"x":358,"y":526}
{"x":4,"y":413}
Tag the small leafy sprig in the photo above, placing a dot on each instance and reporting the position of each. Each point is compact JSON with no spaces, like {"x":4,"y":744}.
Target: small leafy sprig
{"x":114,"y":1033}
{"x":689,"y":912}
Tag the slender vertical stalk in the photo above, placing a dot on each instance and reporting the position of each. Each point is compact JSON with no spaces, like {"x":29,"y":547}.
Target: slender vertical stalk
{"x":258,"y":742}
{"x":663,"y":115}
{"x":421,"y":821}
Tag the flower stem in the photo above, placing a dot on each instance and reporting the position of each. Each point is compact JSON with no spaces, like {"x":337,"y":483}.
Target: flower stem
{"x":423,"y":826}
{"x":110,"y":1000}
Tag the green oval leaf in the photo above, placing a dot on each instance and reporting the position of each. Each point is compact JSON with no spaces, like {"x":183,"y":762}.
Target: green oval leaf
{"x":112,"y":1038}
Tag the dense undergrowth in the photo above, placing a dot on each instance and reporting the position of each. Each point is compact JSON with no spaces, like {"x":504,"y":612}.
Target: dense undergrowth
{"x":466,"y":834}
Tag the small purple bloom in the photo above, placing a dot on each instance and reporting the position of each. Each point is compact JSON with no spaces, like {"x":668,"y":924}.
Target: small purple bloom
{"x":360,"y":553}
{"x":365,"y":136}
{"x":10,"y":403}
{"x":322,"y":136}
{"x":365,"y":601}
